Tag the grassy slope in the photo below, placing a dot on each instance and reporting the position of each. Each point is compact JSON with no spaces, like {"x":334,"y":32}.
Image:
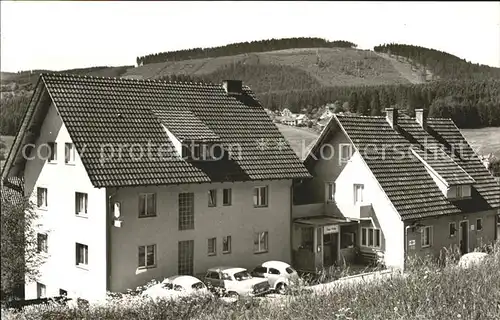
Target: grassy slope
{"x":300,"y":139}
{"x":428,"y":291}
{"x":338,"y":66}
{"x":484,"y":140}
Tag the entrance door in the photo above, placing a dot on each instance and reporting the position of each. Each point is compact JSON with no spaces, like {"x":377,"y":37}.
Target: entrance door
{"x":464,"y":237}
{"x":329,"y":249}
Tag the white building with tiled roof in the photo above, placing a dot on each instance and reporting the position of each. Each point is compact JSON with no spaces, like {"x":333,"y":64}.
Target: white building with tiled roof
{"x":137,"y":180}
{"x":388,"y":187}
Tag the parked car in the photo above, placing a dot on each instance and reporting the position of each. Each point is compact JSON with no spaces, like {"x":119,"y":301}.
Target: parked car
{"x":235,"y":282}
{"x":279,"y":274}
{"x":472,"y":258}
{"x":175,"y":287}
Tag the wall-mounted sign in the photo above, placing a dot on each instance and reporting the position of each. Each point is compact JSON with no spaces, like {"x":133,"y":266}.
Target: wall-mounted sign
{"x":411,"y":242}
{"x":472,"y":227}
{"x":331,"y":229}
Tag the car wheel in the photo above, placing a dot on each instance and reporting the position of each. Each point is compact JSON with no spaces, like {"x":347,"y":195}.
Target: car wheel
{"x":233,"y":294}
{"x":281,"y":288}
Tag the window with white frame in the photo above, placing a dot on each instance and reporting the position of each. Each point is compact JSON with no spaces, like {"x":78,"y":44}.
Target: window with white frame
{"x":82,"y":255}
{"x":212,"y":246}
{"x":426,"y":236}
{"x":260,"y":196}
{"x":358,"y":193}
{"x":345,"y":152}
{"x":330,"y":187}
{"x":147,"y":205}
{"x":371,"y":237}
{"x":212,"y":197}
{"x":479,"y":224}
{"x":226,"y":244}
{"x":69,"y":153}
{"x":186,"y":211}
{"x":458,"y":191}
{"x":453,"y":229}
{"x":42,"y":243}
{"x":52,"y":151}
{"x":147,"y":256}
{"x":260,"y":242}
{"x":41,"y":194}
{"x":226,"y":197}
{"x":81,"y":203}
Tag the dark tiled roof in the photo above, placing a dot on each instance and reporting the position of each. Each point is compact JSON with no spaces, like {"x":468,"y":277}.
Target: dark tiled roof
{"x":404,"y":179}
{"x":12,"y":190}
{"x":444,"y":166}
{"x":102,"y":111}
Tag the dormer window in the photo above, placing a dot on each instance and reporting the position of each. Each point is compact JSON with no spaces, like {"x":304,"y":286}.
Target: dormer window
{"x":202,"y":151}
{"x":459,"y":192}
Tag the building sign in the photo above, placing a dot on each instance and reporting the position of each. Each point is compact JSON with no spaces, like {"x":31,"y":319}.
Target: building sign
{"x":331,"y":229}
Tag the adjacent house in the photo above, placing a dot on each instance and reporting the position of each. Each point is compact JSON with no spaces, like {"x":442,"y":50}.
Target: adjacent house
{"x":141,"y":179}
{"x":301,"y":119}
{"x":388,"y":187}
{"x":289,"y":121}
{"x":286,"y":112}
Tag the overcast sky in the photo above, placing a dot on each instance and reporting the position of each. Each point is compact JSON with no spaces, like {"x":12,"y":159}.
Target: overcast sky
{"x":62,"y":35}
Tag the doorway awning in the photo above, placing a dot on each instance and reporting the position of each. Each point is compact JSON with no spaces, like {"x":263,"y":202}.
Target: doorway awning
{"x":323,"y":220}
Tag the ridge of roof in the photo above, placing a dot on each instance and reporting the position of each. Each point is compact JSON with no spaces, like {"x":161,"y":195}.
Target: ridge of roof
{"x":89,"y":107}
{"x":84,"y":76}
{"x":406,"y":181}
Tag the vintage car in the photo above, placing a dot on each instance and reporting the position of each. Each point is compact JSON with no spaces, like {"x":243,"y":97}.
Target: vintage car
{"x":279,"y":274}
{"x":175,"y":287}
{"x":235,"y":282}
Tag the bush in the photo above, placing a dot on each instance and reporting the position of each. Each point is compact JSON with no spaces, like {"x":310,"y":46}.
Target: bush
{"x":429,"y":290}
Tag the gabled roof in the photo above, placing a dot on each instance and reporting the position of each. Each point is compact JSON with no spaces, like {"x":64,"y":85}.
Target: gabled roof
{"x":405,"y":179}
{"x":12,"y":190}
{"x":103,"y":112}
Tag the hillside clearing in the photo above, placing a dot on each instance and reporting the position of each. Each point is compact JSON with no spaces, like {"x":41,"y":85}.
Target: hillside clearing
{"x":330,"y":66}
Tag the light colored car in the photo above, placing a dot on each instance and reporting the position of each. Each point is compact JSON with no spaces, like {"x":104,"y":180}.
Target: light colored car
{"x":175,"y":287}
{"x":279,"y":274}
{"x":235,"y":282}
{"x":470,"y":259}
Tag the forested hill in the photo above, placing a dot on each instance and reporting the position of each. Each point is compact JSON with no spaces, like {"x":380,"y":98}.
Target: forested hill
{"x":243,"y":47}
{"x":441,"y":64}
{"x":305,"y":74}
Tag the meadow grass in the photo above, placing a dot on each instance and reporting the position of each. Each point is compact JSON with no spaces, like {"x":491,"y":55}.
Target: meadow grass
{"x":429,"y":290}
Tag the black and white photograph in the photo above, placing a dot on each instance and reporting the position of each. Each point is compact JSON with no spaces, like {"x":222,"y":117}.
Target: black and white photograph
{"x":267,"y":160}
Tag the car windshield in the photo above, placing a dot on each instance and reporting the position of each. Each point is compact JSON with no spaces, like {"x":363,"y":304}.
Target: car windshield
{"x":167,"y":286}
{"x":198,"y":286}
{"x":290,"y":270}
{"x":178,"y":288}
{"x":242,"y":275}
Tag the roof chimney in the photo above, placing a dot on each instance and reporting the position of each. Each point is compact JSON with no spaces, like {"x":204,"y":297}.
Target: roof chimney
{"x":392,"y":117}
{"x":232,"y":86}
{"x":421,"y":117}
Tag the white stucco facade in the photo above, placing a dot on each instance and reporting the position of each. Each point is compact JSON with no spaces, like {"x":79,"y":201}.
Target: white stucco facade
{"x":60,"y":222}
{"x":113,"y":251}
{"x":386,"y":217}
{"x":240,"y":220}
